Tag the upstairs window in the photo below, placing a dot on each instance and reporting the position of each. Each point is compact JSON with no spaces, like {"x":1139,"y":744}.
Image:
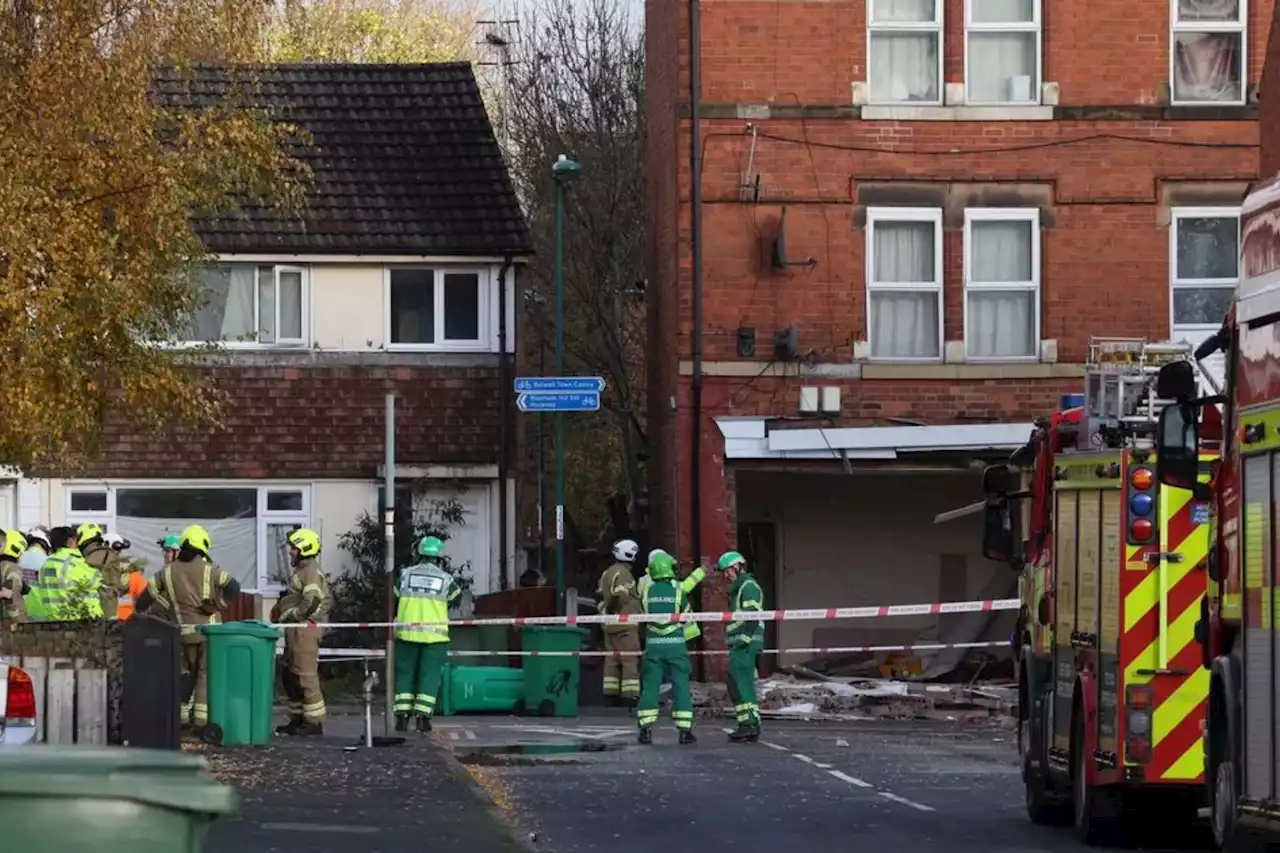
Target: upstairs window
{"x":1002,"y":51}
{"x":1205,"y":266}
{"x":1001,"y":284}
{"x":437,"y":308}
{"x":1208,"y":51}
{"x":904,"y":52}
{"x":249,"y":304}
{"x":904,"y":283}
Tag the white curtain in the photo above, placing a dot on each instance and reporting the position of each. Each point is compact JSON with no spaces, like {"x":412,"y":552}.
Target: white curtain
{"x":267,"y":305}
{"x":1001,"y":323}
{"x":1003,"y":11}
{"x":1208,"y":247}
{"x":903,"y":323}
{"x":905,"y":11}
{"x":291,"y":304}
{"x":1206,"y":66}
{"x":226,"y":311}
{"x":235,"y":543}
{"x":905,"y":66}
{"x":997,"y":64}
{"x":1209,"y":10}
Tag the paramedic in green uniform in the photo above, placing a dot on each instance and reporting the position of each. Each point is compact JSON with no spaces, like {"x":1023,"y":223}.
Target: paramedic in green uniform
{"x":666,"y":657}
{"x":425,"y":592}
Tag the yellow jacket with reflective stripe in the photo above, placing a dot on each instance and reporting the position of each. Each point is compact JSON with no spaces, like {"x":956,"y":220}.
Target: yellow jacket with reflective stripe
{"x":664,"y":597}
{"x":190,"y":589}
{"x":308,"y":596}
{"x":425,"y":593}
{"x":692,"y":630}
{"x":69,"y":587}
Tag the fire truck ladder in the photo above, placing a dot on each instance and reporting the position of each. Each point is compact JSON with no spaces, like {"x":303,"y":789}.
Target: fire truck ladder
{"x":1120,"y":403}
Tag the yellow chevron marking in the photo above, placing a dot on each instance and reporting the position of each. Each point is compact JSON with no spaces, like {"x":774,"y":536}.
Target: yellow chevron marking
{"x":1181,"y":631}
{"x":1144,"y":597}
{"x":1181,"y":703}
{"x":1190,"y":765}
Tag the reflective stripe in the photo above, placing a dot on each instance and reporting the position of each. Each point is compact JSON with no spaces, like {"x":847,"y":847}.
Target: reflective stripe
{"x":659,"y":630}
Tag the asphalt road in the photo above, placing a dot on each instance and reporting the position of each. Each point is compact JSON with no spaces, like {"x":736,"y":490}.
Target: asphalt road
{"x":814,"y":787}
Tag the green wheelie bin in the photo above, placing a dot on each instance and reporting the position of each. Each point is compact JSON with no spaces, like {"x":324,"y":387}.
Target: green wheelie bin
{"x":241,"y":657}
{"x":80,"y":799}
{"x":551,"y":682}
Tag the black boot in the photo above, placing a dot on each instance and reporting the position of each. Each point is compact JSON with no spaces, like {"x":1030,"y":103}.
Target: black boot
{"x":291,"y":728}
{"x":424,"y":723}
{"x":630,"y":702}
{"x":687,"y":738}
{"x":741,"y":734}
{"x":754,"y":735}
{"x":309,"y":729}
{"x":402,"y":722}
{"x":646,"y":736}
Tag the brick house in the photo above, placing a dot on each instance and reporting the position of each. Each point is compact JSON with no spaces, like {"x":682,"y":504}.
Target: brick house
{"x":399,"y":278}
{"x":905,"y":249}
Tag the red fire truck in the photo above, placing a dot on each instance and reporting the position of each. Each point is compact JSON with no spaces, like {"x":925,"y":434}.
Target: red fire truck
{"x":1112,"y":573}
{"x":1240,"y":644}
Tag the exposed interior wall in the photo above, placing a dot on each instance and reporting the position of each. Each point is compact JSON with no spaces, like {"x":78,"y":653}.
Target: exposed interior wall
{"x":336,"y":505}
{"x":869,"y":539}
{"x":347,"y":306}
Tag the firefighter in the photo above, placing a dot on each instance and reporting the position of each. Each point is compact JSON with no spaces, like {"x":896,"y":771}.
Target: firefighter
{"x":189,"y":588}
{"x":426,"y":592}
{"x":307,"y":599}
{"x":617,"y":593}
{"x":746,"y":639}
{"x":32,"y":559}
{"x":106,"y":559}
{"x":69,"y":589}
{"x":12,"y":584}
{"x":169,"y":547}
{"x":665,"y":654}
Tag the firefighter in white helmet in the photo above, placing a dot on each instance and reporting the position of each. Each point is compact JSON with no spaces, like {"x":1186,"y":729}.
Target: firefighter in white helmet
{"x":617,"y":595}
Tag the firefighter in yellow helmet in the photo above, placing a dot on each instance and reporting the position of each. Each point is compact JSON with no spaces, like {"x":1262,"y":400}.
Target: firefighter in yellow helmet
{"x":12,"y":584}
{"x":98,"y":553}
{"x":307,"y":599}
{"x":190,"y":588}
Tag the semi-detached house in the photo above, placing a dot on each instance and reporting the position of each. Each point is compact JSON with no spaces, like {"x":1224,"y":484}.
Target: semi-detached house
{"x":399,"y":277}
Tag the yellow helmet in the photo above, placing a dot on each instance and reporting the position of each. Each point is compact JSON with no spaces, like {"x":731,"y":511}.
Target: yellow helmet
{"x":306,"y":541}
{"x":87,"y":532}
{"x":14,"y":544}
{"x":196,"y":537}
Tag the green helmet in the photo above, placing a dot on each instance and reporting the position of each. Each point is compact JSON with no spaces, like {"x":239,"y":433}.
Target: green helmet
{"x":729,"y":559}
{"x":662,"y":567}
{"x":430,"y":546}
{"x":172,"y":542}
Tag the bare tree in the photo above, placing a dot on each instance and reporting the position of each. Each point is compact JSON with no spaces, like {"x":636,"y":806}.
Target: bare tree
{"x":574,"y":84}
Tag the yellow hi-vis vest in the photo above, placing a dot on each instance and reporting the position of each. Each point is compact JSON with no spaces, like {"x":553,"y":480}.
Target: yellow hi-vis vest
{"x":426,"y":592}
{"x":61,"y":573}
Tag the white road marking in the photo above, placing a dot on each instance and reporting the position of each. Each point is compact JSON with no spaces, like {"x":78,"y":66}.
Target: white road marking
{"x":470,"y":734}
{"x":453,"y":735}
{"x":852,"y":780}
{"x":921,"y":806}
{"x":807,"y":760}
{"x":779,"y":747}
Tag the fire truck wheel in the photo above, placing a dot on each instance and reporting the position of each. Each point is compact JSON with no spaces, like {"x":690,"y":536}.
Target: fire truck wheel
{"x":1222,"y":811}
{"x":1096,"y":810}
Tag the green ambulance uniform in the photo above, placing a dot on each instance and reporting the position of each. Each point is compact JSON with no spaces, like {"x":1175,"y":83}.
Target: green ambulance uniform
{"x":425,"y":592}
{"x":745,"y":639}
{"x":666,"y":657}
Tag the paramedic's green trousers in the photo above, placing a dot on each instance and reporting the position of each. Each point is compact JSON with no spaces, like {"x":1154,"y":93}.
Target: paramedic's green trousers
{"x":418,"y":669}
{"x":665,"y":659}
{"x":742,"y":684}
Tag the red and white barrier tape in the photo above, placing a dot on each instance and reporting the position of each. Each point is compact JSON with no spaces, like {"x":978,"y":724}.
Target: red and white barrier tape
{"x":819,"y":614}
{"x":810,"y":650}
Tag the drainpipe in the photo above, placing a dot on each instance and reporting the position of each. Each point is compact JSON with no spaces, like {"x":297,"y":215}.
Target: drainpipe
{"x":695,"y":246}
{"x":504,"y":387}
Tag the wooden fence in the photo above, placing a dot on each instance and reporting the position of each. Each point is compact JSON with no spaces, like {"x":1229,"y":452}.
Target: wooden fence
{"x":71,"y":699}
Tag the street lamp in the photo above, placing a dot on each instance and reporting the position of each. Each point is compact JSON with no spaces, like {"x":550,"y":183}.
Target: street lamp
{"x":563,"y":172}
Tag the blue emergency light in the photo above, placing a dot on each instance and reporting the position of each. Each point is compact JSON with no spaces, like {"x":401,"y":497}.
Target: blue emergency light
{"x":1071,"y":401}
{"x":1141,"y":504}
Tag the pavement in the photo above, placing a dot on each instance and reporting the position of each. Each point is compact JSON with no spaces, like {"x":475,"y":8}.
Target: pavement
{"x":583,"y":785}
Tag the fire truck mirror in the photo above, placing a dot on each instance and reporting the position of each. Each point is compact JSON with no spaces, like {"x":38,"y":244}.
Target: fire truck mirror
{"x":1000,"y":480}
{"x":1178,"y":446}
{"x":997,"y":531}
{"x":1176,"y":381}
{"x":1042,"y":610}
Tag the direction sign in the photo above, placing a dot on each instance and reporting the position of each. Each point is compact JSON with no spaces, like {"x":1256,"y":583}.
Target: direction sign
{"x":566,"y":401}
{"x":559,"y":385}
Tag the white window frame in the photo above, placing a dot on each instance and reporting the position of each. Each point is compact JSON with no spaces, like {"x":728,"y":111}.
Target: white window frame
{"x":931,"y":215}
{"x":1003,"y":214}
{"x":484,"y":283}
{"x":1241,"y":26}
{"x":1177,"y":214}
{"x":1036,"y":26}
{"x":264,"y":518}
{"x":936,"y":27}
{"x":279,"y":342}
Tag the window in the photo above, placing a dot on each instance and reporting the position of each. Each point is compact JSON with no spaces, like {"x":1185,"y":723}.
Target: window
{"x":437,"y":308}
{"x":1208,"y":54}
{"x":1002,"y":51}
{"x":904,"y":50}
{"x":904,"y":283}
{"x":249,"y":525}
{"x":88,"y":502}
{"x":1205,"y":265}
{"x":248,"y":304}
{"x":1002,"y":283}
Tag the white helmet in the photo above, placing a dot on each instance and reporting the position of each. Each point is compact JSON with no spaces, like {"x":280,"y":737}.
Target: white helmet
{"x":39,"y":535}
{"x":625,"y":550}
{"x":116,"y":542}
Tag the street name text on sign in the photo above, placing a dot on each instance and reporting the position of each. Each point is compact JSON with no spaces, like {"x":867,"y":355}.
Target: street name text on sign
{"x":564,"y":401}
{"x":559,"y":385}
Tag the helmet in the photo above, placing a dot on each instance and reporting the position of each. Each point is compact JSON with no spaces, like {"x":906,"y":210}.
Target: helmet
{"x":87,"y":532}
{"x":430,"y":546}
{"x":654,"y":553}
{"x":172,"y":542}
{"x":662,"y":567}
{"x":14,"y":544}
{"x":116,"y":542}
{"x":196,"y":537}
{"x":306,"y":541}
{"x":625,"y":550}
{"x":39,"y":536}
{"x":729,"y":559}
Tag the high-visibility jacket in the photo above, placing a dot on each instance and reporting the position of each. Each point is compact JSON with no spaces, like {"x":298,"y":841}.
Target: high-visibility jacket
{"x":307,"y":596}
{"x":69,"y":587}
{"x":115,"y":579}
{"x":13,"y":609}
{"x":128,"y":602}
{"x":664,"y":596}
{"x":425,"y":592}
{"x":692,"y":630}
{"x":617,"y":592}
{"x":191,"y":590}
{"x":30,"y":562}
{"x":745,"y":595}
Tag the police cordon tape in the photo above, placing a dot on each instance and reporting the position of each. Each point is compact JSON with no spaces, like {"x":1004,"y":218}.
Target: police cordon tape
{"x":356,"y":654}
{"x":935,"y":608}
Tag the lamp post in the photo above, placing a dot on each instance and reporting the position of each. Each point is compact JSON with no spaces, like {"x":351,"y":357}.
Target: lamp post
{"x":562,"y":173}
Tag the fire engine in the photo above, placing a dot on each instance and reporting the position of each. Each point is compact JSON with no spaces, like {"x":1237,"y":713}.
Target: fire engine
{"x":1240,"y":649}
{"x":1112,"y":572}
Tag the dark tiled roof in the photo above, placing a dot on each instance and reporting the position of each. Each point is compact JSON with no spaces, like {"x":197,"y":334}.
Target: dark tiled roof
{"x":403,"y":157}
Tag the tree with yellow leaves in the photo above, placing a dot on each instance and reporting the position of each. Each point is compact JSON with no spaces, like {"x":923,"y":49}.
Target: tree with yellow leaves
{"x":98,"y":186}
{"x":371,"y":31}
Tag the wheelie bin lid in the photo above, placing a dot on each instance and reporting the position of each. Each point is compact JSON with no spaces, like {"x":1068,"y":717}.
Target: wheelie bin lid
{"x":153,"y":777}
{"x":244,"y":628}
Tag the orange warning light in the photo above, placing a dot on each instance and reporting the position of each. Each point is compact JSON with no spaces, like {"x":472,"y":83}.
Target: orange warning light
{"x":1141,"y":478}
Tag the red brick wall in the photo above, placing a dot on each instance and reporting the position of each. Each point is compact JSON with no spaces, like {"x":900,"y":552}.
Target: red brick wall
{"x":321,"y":422}
{"x":1269,"y":104}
